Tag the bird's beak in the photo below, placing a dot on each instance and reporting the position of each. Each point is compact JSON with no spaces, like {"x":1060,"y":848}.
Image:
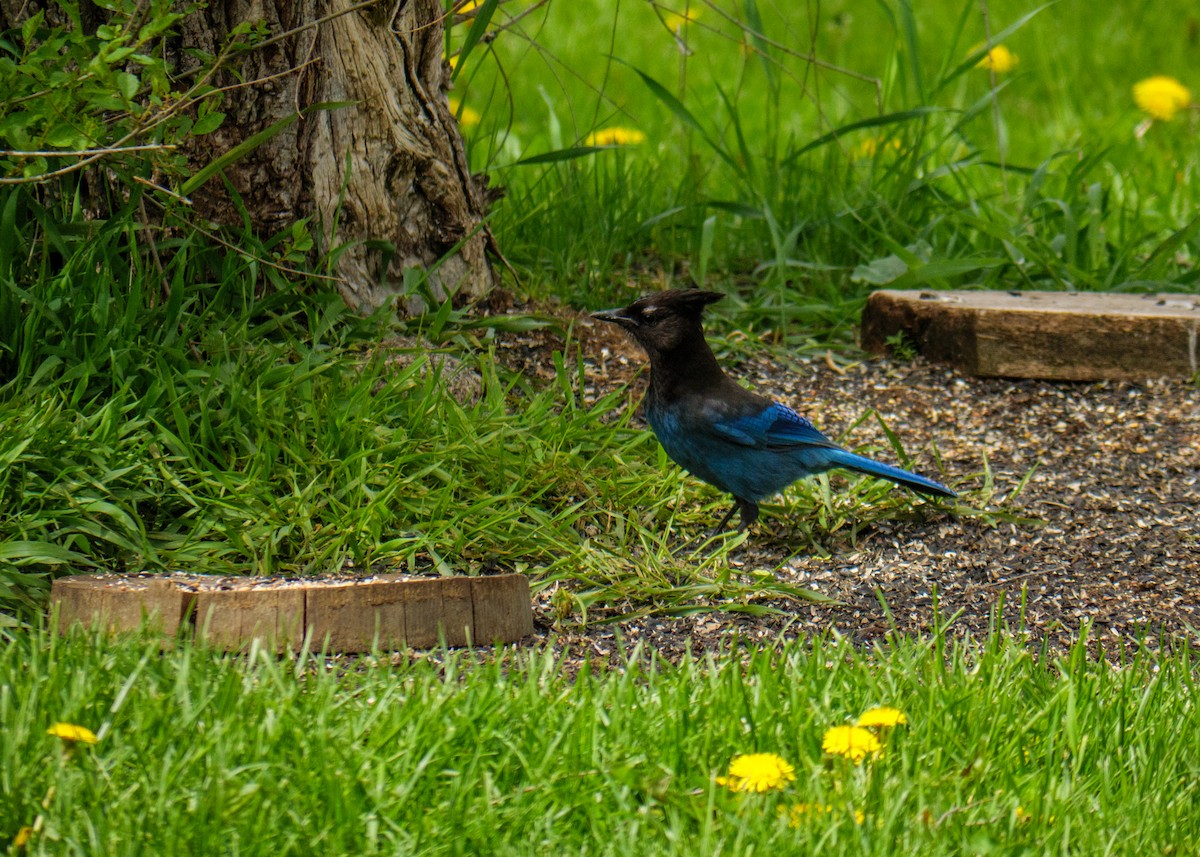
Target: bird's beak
{"x":616,"y":316}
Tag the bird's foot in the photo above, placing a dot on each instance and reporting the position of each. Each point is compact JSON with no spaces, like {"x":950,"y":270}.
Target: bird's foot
{"x":749,"y":513}
{"x":749,"y":510}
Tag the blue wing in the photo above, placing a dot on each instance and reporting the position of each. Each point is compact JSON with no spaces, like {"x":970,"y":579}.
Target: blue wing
{"x":753,"y":450}
{"x":774,"y":427}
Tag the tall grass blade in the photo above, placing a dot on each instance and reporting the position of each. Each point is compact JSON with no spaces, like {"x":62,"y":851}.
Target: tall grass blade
{"x":253,"y":142}
{"x":479,"y":24}
{"x":975,"y":56}
{"x":897,"y":118}
{"x":558,"y":155}
{"x":684,"y":115}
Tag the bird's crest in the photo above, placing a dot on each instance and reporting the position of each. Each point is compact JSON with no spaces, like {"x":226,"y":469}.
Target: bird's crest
{"x":666,"y":321}
{"x":681,"y":301}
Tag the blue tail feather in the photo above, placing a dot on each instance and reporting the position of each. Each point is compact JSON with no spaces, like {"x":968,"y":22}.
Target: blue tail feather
{"x":912,"y":481}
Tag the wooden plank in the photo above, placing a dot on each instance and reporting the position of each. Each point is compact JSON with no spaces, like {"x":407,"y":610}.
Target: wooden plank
{"x":346,"y":615}
{"x":1071,"y":336}
{"x":503,"y":609}
{"x":355,"y":617}
{"x":118,"y":604}
{"x":422,"y":612}
{"x":80,"y":600}
{"x":458,"y":611}
{"x":231,"y":618}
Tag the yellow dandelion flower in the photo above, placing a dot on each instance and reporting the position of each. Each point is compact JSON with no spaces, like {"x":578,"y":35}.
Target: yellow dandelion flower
{"x":1161,"y":97}
{"x":853,"y":742}
{"x":71,"y":733}
{"x":615,"y":137}
{"x":999,"y":59}
{"x":467,"y":116}
{"x":882,"y":716}
{"x":22,"y":838}
{"x":757,"y":772}
{"x":676,"y":21}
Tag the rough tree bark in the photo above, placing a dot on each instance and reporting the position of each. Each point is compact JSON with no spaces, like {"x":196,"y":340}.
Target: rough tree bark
{"x":385,"y":178}
{"x":389,"y":170}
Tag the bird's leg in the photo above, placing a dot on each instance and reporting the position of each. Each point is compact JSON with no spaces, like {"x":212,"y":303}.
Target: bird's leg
{"x":749,"y":513}
{"x":749,"y":510}
{"x":737,"y":504}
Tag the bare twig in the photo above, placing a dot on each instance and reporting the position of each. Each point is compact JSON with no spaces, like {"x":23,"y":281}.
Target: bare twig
{"x":324,"y":19}
{"x":161,"y":189}
{"x":83,"y":153}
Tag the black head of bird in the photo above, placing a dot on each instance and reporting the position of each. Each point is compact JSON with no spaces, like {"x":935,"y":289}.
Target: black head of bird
{"x":664,"y":323}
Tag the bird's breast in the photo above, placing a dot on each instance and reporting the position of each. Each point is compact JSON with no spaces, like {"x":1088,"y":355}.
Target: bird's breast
{"x":691,"y":443}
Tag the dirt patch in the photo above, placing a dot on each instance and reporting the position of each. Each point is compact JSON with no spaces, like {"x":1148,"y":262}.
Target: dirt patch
{"x":1115,"y":497}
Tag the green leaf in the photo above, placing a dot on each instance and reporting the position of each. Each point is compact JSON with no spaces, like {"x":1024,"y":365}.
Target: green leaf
{"x":756,"y":30}
{"x":31,"y":25}
{"x":944,"y":268}
{"x":208,"y":123}
{"x":747,"y":158}
{"x":46,"y":553}
{"x":1155,"y":266}
{"x":251,"y":143}
{"x":483,"y":17}
{"x":912,"y":44}
{"x":880,"y":272}
{"x":64,"y":137}
{"x":158,"y":25}
{"x":116,"y":56}
{"x":739,"y":209}
{"x":128,"y":84}
{"x":561,"y":155}
{"x":236,"y":154}
{"x":707,"y":234}
{"x":973,"y":59}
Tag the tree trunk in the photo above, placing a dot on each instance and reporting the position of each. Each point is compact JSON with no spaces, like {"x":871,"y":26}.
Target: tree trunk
{"x":386,"y":177}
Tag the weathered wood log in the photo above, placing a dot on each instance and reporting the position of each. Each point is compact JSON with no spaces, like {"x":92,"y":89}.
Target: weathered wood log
{"x":502,"y":608}
{"x":340,"y":108}
{"x":121,"y":603}
{"x":1070,"y":336}
{"x":336,"y":614}
{"x":350,"y":617}
{"x":230,"y":618}
{"x":383,"y":175}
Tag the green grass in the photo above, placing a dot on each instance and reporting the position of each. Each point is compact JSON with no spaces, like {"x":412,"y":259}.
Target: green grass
{"x":1040,"y":182}
{"x":168,"y":400}
{"x":201,"y":426}
{"x":173,"y":402}
{"x":201,"y":753}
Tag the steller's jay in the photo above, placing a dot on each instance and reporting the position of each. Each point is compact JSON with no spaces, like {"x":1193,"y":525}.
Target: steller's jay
{"x":716,"y":430}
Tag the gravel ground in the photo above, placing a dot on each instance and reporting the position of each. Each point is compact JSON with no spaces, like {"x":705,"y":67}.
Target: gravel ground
{"x":1113,"y":540}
